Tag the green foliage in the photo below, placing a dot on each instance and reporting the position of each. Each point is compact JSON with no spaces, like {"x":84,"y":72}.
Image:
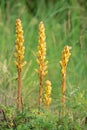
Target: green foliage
{"x":34,"y":119}
{"x":29,"y":120}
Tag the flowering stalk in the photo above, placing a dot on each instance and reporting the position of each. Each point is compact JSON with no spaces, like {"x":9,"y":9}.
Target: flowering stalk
{"x":63,"y":63}
{"x":19,"y":55}
{"x":47,"y":99}
{"x":41,"y":56}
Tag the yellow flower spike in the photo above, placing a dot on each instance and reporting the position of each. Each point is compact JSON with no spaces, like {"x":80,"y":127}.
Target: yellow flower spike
{"x":47,"y":99}
{"x":19,"y":43}
{"x":63,"y":63}
{"x":19,"y":55}
{"x":41,"y":57}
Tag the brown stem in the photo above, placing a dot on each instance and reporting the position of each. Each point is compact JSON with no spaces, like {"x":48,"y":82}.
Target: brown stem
{"x":63,"y":88}
{"x":63,"y":93}
{"x":19,"y":90}
{"x":40,"y":90}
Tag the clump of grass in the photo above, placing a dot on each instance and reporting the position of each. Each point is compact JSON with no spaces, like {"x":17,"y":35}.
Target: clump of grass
{"x":19,"y":55}
{"x":63,"y":63}
{"x":47,"y":98}
{"x":41,"y":57}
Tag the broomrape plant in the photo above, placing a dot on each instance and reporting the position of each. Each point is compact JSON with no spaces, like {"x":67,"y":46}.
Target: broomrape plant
{"x":63,"y":63}
{"x":41,"y":57}
{"x":47,"y":98}
{"x":19,"y":55}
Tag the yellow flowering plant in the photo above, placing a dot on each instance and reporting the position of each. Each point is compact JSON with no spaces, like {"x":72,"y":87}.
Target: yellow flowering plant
{"x":47,"y":98}
{"x":63,"y":63}
{"x":19,"y":55}
{"x":41,"y":59}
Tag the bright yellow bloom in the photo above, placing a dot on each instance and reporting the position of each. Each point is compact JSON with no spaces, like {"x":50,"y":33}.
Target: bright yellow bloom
{"x":47,"y":99}
{"x":42,"y":52}
{"x":19,"y":55}
{"x":64,"y":60}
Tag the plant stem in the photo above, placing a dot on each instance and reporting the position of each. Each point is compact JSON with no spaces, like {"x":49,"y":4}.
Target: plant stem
{"x":63,"y":93}
{"x":63,"y":88}
{"x":40,"y":90}
{"x":19,"y":90}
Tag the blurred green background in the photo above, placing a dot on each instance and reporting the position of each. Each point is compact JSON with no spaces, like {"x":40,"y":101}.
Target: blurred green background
{"x":65,"y":24}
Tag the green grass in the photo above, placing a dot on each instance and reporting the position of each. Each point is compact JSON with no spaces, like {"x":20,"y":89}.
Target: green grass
{"x":55,"y":17}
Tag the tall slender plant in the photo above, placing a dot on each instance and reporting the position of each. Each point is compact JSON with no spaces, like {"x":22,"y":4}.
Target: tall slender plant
{"x":41,"y":59}
{"x":19,"y":55}
{"x":63,"y":63}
